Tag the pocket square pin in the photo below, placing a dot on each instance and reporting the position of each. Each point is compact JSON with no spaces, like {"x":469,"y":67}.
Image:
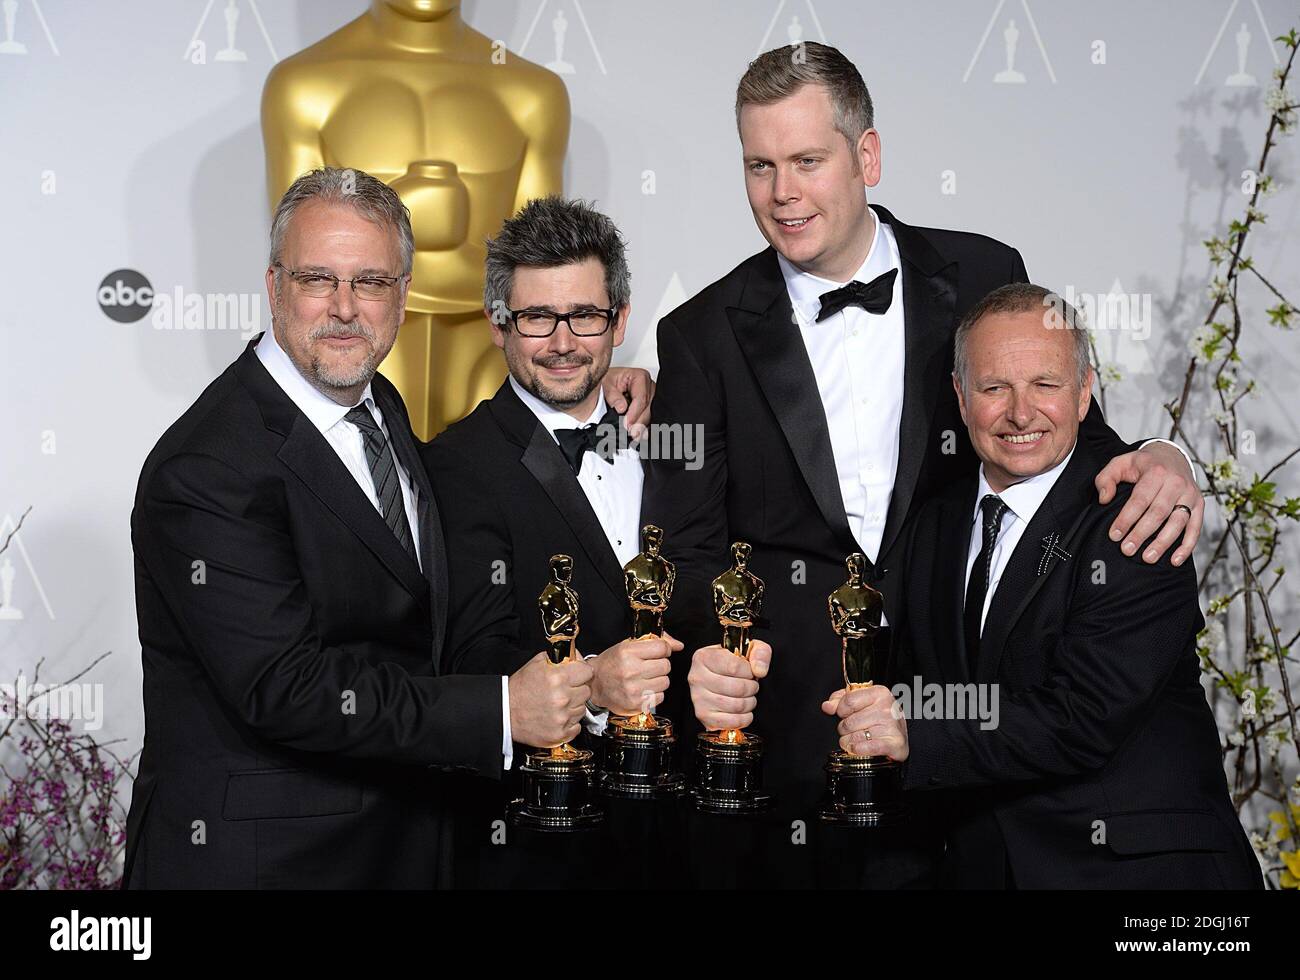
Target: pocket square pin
{"x":1051,"y":549}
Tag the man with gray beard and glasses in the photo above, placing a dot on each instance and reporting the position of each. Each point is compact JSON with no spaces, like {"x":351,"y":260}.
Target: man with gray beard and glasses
{"x":291,"y":591}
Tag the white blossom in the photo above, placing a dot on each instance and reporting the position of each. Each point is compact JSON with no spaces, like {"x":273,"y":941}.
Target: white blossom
{"x":1277,"y":99}
{"x":1203,"y":336}
{"x":1213,"y":635}
{"x":1226,"y":473}
{"x":1261,"y":526}
{"x":1261,"y":845}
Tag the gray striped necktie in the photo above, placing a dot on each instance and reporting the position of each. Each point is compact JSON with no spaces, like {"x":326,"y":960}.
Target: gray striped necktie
{"x":383,"y":470}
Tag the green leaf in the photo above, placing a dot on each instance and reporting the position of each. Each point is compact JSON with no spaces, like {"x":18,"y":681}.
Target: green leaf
{"x":1262,"y":492}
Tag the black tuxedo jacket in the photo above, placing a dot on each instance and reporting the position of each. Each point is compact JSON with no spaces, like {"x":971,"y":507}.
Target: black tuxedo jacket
{"x":732,"y":359}
{"x":294,"y":702}
{"x":509,"y":501}
{"x":1104,"y":768}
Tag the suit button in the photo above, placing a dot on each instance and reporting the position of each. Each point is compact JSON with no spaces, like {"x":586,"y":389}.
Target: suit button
{"x":934,"y":780}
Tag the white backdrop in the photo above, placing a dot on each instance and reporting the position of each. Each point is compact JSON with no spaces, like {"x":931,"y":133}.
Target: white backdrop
{"x":1122,"y":150}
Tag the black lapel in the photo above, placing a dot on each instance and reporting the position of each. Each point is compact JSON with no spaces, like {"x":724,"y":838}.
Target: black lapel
{"x":768,"y":335}
{"x":1032,"y":563}
{"x":929,"y":304}
{"x":543,"y":459}
{"x":433,"y":551}
{"x":313,"y":460}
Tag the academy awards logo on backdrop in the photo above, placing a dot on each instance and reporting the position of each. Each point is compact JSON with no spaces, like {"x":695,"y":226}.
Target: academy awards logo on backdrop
{"x":11,"y":42}
{"x":1011,"y":35}
{"x":125,"y":296}
{"x":197,"y":50}
{"x":559,"y":33}
{"x":796,"y":29}
{"x":10,"y":610}
{"x":1246,"y":42}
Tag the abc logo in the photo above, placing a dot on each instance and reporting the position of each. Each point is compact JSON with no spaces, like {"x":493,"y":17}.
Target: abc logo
{"x":125,"y":296}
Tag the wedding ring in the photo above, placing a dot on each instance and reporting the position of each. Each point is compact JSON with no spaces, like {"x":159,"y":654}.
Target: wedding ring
{"x":1182,"y":507}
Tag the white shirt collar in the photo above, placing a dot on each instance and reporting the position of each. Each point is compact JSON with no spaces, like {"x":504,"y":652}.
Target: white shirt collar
{"x":806,"y":289}
{"x":553,"y":418}
{"x":324,"y":413}
{"x":1024,"y":498}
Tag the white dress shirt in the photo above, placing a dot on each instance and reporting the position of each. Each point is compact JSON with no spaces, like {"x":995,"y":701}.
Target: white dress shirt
{"x":344,"y":438}
{"x":348,"y":443}
{"x":612,"y":489}
{"x":1023,"y":500}
{"x":857,"y":358}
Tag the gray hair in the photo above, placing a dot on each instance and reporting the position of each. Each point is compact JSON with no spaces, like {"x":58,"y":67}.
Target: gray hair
{"x":367,"y":195}
{"x":553,"y":231}
{"x":1024,"y":297}
{"x":779,"y":73}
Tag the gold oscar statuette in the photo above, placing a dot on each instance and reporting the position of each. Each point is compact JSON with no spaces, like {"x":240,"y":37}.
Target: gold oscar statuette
{"x":465,"y":131}
{"x":637,"y":757}
{"x":861,"y":791}
{"x":728,"y":769}
{"x":558,"y":781}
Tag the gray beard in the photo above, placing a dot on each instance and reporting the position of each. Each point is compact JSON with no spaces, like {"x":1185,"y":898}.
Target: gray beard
{"x":361,"y":375}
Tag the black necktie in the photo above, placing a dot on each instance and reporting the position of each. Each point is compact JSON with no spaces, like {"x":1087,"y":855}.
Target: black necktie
{"x":383,"y":469}
{"x":874,"y":296}
{"x":594,"y":438}
{"x":992,"y":508}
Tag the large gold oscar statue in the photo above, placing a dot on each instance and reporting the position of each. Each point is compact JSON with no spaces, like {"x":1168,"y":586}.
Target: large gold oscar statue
{"x":465,"y":132}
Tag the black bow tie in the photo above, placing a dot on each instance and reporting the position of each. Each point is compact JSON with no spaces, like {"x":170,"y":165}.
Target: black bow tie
{"x":874,"y":296}
{"x":591,"y":438}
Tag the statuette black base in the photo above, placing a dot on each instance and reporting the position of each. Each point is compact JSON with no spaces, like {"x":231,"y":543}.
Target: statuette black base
{"x":862,"y":791}
{"x":557,"y":793}
{"x":729,"y":775}
{"x":636,"y":763}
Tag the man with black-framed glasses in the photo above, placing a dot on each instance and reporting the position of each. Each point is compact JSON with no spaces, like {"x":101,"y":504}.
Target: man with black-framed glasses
{"x":545,"y":467}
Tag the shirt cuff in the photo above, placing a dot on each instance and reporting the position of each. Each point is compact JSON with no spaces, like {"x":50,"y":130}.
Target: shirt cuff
{"x":1169,"y":442}
{"x":594,"y":721}
{"x":507,"y":744}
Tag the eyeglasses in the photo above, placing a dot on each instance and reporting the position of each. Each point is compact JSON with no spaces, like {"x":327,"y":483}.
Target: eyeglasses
{"x":542,"y":323}
{"x":320,"y":284}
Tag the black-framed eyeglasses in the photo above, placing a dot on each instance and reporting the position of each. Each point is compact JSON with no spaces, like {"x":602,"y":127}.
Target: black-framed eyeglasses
{"x":322,"y":284}
{"x":542,"y":323}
